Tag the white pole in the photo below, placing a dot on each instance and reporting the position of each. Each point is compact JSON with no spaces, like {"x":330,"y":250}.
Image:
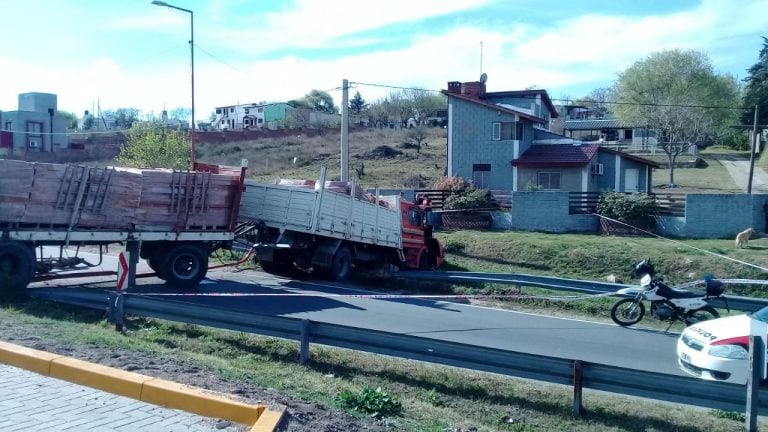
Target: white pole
{"x":345,"y":130}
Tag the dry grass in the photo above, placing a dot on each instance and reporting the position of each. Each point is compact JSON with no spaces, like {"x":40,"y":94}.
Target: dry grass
{"x":301,"y":157}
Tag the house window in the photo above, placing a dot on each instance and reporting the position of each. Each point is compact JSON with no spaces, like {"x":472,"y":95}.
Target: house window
{"x":628,"y":134}
{"x":481,"y":175}
{"x":8,"y":125}
{"x":231,"y":110}
{"x":504,"y":131}
{"x":549,"y":180}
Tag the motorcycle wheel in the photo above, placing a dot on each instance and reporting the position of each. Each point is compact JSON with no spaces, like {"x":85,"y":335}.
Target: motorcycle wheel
{"x":703,"y":314}
{"x":627,"y":312}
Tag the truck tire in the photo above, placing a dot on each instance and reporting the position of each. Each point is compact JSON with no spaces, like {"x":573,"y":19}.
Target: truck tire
{"x":154,"y":264}
{"x":184,"y":265}
{"x":342,"y":264}
{"x":17,"y":267}
{"x":281,"y":264}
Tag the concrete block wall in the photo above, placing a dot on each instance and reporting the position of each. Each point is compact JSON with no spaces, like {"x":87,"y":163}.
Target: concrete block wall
{"x":543,"y":212}
{"x":716,"y":216}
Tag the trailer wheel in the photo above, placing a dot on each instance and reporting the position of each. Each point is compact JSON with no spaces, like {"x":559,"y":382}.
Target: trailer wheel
{"x":17,"y":267}
{"x":184,"y":265}
{"x":342,"y":264}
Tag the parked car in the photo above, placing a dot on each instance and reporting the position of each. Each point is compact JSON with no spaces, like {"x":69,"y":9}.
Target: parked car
{"x":718,"y":350}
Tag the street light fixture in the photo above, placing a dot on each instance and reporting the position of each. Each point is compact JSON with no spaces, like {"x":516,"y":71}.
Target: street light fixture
{"x":192,"y":57}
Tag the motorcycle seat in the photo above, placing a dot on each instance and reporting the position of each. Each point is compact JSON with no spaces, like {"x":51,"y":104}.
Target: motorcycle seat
{"x":672,"y":293}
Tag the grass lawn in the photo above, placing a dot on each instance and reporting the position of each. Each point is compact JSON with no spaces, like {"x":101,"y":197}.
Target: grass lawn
{"x":710,"y":177}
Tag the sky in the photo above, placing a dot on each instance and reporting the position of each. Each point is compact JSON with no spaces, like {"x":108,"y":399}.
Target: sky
{"x":130,"y":53}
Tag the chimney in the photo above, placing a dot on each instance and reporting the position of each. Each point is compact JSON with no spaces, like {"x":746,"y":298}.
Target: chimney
{"x":454,"y":87}
{"x":475,"y":88}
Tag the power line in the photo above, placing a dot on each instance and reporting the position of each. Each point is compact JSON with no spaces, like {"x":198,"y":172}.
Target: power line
{"x":571,"y":100}
{"x":395,"y":87}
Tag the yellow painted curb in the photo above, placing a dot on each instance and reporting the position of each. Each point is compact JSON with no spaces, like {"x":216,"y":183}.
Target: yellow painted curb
{"x":26,"y":358}
{"x":268,"y":420}
{"x":169,"y":393}
{"x":100,"y":377}
{"x":144,"y":388}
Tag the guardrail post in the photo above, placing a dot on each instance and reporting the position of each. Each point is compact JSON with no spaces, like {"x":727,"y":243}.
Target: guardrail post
{"x":304,"y":343}
{"x":116,"y":312}
{"x":132,"y":247}
{"x":577,"y":385}
{"x":756,"y":365}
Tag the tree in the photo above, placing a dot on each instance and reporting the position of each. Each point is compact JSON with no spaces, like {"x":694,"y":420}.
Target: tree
{"x":357,"y":104}
{"x":422,"y":103}
{"x":123,"y":117}
{"x":181,"y":114}
{"x":678,"y":94}
{"x":597,"y":101}
{"x":69,"y":118}
{"x":316,"y":100}
{"x":756,"y":90}
{"x":418,"y":136}
{"x":155,"y":147}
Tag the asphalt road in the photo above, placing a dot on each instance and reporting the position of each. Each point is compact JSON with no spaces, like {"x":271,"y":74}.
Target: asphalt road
{"x":598,"y":342}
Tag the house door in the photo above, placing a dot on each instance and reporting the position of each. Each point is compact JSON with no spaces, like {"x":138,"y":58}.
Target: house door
{"x":631,"y":180}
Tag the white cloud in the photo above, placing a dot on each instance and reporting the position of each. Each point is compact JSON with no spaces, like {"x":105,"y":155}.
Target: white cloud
{"x":322,"y":24}
{"x":571,"y":56}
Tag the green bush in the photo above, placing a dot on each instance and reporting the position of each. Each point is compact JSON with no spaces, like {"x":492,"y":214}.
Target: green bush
{"x":376,"y":403}
{"x":735,"y":139}
{"x":473,"y":199}
{"x":635,"y":207}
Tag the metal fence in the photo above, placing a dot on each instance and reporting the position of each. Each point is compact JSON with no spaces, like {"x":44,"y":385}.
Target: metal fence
{"x":571,"y":372}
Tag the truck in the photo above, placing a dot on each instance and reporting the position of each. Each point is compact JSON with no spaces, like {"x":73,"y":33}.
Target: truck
{"x":174,"y":219}
{"x":333,"y":227}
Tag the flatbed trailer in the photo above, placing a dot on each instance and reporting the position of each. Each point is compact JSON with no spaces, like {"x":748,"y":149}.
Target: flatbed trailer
{"x":173,"y":219}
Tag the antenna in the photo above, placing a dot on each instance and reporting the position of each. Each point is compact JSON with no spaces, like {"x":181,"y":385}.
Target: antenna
{"x":481,"y":57}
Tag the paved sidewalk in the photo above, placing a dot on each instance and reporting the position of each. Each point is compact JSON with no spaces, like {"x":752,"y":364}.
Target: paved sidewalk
{"x":739,"y":171}
{"x":33,"y":402}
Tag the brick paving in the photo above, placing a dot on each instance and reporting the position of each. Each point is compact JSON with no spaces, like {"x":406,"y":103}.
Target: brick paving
{"x":33,"y":402}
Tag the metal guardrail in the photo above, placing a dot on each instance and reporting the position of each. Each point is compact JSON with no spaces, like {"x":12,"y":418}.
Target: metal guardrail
{"x":748,"y":304}
{"x":631,"y":382}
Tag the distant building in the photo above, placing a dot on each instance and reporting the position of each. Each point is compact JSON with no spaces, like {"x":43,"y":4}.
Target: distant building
{"x":251,"y":116}
{"x":35,"y":127}
{"x":270,"y":116}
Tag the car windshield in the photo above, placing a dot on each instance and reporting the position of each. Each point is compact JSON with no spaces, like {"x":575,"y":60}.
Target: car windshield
{"x":761,"y":315}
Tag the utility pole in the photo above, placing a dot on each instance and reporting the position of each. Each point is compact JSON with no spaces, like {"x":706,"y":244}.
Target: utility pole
{"x":344,"y":130}
{"x":752,"y":153}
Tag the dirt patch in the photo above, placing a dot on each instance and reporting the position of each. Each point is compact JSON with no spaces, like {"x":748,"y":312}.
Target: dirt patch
{"x":301,"y":416}
{"x":381,"y":152}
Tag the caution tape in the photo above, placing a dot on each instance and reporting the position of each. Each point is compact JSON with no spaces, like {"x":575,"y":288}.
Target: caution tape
{"x":385,"y":296}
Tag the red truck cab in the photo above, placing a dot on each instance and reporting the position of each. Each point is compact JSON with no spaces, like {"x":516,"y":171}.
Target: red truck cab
{"x":421,"y":250}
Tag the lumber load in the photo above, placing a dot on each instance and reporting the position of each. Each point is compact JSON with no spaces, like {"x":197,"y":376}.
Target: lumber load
{"x":81,"y":197}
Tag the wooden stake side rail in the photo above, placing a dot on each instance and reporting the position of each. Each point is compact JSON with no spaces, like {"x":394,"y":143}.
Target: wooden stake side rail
{"x":115,"y":236}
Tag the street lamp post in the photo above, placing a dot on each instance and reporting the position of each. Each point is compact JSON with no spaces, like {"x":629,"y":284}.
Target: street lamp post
{"x":192,"y":57}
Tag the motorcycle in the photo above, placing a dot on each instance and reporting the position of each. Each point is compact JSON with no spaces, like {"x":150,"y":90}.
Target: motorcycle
{"x":667,"y":304}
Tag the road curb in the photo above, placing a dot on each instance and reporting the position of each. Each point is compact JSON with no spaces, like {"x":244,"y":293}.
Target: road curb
{"x":142,"y":387}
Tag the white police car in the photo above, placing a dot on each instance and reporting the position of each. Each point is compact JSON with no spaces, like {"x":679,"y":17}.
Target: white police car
{"x":718,"y":349}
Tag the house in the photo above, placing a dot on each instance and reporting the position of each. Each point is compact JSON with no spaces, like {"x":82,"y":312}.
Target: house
{"x":586,"y":124}
{"x":501,"y":140}
{"x":35,"y":127}
{"x":252,"y":116}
